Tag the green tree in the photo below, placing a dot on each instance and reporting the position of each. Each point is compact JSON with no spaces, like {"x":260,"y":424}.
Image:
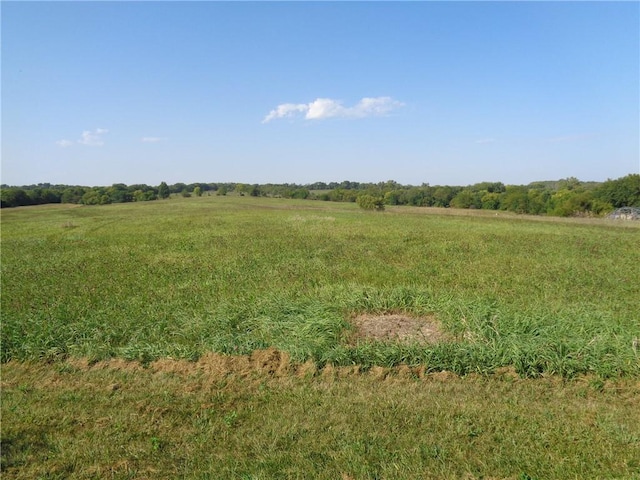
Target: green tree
{"x":467,"y":199}
{"x":72,"y":195}
{"x":14,"y":197}
{"x":539,"y":201}
{"x":442,"y":196}
{"x":139,"y":196}
{"x":392,"y":197}
{"x":163,"y":190}
{"x":571,"y":202}
{"x":197,"y":192}
{"x":95,"y":196}
{"x":369,"y":202}
{"x":119,"y":193}
{"x":515,"y":199}
{"x":301,"y":193}
{"x":623,"y":192}
{"x":490,"y":201}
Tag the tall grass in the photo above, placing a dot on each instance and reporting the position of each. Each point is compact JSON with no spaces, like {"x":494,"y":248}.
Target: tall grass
{"x":186,"y":276}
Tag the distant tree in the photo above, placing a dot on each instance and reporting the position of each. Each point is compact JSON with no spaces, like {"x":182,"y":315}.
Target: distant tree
{"x":515,"y":199}
{"x":178,"y":187}
{"x":442,"y":196}
{"x":467,"y":199}
{"x":393,"y":197}
{"x":139,"y":196}
{"x":301,"y":193}
{"x":416,"y":196}
{"x":163,"y":190}
{"x":197,"y":192}
{"x":490,"y":201}
{"x":151,"y":195}
{"x":119,"y":193}
{"x":369,"y":202}
{"x":95,"y":196}
{"x":240,"y":189}
{"x":538,"y":201}
{"x":72,"y":195}
{"x":222,"y":191}
{"x":623,"y":192}
{"x":567,"y":202}
{"x":496,"y":187}
{"x":14,"y":197}
{"x":318,"y":186}
{"x":570,"y":183}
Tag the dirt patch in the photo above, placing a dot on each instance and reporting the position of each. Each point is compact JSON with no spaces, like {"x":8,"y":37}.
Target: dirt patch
{"x":396,"y":328}
{"x":260,"y":364}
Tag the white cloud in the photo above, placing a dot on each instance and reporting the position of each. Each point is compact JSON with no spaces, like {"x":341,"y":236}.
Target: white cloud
{"x":151,"y":139}
{"x":93,"y":138}
{"x":375,"y":106}
{"x":325,"y":108}
{"x":64,"y":143}
{"x":285,"y":110}
{"x":322,"y":108}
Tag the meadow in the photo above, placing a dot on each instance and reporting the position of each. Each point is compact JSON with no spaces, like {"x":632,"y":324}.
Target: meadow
{"x":539,"y":324}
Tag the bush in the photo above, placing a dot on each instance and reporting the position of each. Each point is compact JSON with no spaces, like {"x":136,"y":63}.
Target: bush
{"x":369,"y":202}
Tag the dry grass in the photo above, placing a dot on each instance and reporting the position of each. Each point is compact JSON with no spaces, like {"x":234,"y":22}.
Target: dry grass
{"x":397,"y":328}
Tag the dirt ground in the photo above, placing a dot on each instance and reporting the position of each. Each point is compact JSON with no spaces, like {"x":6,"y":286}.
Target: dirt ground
{"x":396,"y":328}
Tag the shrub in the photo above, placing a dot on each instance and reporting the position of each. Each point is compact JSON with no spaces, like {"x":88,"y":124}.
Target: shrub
{"x":369,"y":202}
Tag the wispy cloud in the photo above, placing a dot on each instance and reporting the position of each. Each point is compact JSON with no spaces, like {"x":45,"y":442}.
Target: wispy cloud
{"x":485,"y":140}
{"x":90,"y":138}
{"x":285,"y":110}
{"x":322,"y":108}
{"x":151,"y":139}
{"x":93,"y":138}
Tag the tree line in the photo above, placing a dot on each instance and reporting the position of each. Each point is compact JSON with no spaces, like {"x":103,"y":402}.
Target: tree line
{"x":566,"y":197}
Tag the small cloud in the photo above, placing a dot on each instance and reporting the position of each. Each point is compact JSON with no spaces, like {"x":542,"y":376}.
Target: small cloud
{"x":485,"y":140}
{"x":285,"y":110}
{"x":322,"y":108}
{"x":93,"y":138}
{"x":375,"y":106}
{"x":64,"y":143}
{"x":152,"y":139}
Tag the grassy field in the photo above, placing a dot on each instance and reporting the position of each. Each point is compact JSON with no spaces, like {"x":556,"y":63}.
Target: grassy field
{"x":538,"y":318}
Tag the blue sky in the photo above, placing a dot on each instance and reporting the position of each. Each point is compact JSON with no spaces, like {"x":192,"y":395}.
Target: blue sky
{"x":294,"y":92}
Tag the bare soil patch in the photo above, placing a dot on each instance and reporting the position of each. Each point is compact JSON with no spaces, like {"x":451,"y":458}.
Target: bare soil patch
{"x":396,"y":328}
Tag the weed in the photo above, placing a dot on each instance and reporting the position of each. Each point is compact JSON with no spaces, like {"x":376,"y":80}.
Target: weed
{"x":230,"y":419}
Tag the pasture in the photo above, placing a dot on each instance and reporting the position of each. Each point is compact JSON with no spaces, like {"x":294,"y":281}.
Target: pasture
{"x":222,"y":337}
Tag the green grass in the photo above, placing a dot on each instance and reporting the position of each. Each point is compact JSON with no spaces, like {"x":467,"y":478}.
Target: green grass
{"x":186,"y":276}
{"x":86,"y":290}
{"x":67,"y":421}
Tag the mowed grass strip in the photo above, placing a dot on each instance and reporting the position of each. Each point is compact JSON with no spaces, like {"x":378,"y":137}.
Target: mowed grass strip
{"x":232,"y":274}
{"x":176,"y":419}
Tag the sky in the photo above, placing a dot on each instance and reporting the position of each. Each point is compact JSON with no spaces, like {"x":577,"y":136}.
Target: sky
{"x":444,"y":93}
